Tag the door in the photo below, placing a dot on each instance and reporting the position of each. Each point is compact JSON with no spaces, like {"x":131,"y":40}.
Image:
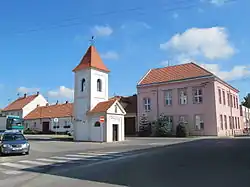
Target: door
{"x":46,"y":127}
{"x":130,"y":126}
{"x":115,"y":132}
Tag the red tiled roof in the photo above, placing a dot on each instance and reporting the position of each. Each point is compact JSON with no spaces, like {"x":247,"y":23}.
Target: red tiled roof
{"x":52,"y":111}
{"x":129,"y":103}
{"x":174,"y":73}
{"x":91,"y":59}
{"x":103,"y":106}
{"x":20,"y":103}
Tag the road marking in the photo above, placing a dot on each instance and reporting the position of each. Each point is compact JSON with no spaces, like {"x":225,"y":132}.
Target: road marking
{"x":10,"y":172}
{"x":34,"y":162}
{"x":64,"y":158}
{"x":51,"y":160}
{"x":87,"y":156}
{"x":93,"y":154}
{"x":84,"y":156}
{"x":19,"y":166}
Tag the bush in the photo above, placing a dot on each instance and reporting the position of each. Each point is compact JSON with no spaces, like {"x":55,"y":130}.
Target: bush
{"x":181,"y":131}
{"x":30,"y":131}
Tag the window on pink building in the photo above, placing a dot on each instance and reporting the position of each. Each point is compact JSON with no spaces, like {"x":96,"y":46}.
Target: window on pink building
{"x":168,"y":97}
{"x":225,"y":121}
{"x":183,"y":96}
{"x":199,"y":123}
{"x":197,"y":94}
{"x":230,"y":122}
{"x":232,"y":118}
{"x":221,"y":122}
{"x":183,"y":119}
{"x":224,"y":97}
{"x":147,"y":104}
{"x":231,"y":100}
{"x":237,"y":104}
{"x":238,"y":119}
{"x":228,"y":99}
{"x":234,"y":102}
{"x":219,"y":90}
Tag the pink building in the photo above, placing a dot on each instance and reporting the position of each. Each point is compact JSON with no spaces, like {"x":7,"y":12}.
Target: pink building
{"x":188,"y":93}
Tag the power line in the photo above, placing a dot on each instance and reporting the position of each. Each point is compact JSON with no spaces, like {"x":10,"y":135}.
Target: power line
{"x":70,"y":24}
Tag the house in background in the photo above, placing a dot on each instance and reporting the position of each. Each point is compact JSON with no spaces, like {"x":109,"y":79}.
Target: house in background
{"x":24,"y":105}
{"x":42,"y":118}
{"x":188,"y":93}
{"x":129,"y":104}
{"x":245,"y":116}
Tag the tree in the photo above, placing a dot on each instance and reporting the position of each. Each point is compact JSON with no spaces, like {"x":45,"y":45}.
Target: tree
{"x":163,"y":127}
{"x":144,"y":126}
{"x":246,"y":101}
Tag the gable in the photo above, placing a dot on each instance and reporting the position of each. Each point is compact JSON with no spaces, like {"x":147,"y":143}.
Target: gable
{"x":116,"y":108}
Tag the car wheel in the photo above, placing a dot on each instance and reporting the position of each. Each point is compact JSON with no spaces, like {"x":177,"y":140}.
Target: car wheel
{"x":27,"y":153}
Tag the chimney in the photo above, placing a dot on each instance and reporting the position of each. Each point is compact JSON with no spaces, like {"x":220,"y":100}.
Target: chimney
{"x":47,"y":104}
{"x":25,"y":95}
{"x":67,"y":102}
{"x":37,"y":93}
{"x":57,"y":102}
{"x":37,"y":105}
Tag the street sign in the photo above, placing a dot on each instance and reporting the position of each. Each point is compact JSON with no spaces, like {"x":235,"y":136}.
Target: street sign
{"x":102,"y":119}
{"x":56,"y":120}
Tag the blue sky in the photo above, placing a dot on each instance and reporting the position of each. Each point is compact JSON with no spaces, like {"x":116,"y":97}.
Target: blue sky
{"x":42,"y":41}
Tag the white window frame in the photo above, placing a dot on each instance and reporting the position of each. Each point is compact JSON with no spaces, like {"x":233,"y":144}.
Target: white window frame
{"x":220,"y":94}
{"x":168,"y":97}
{"x":147,"y":104}
{"x":224,"y":97}
{"x":199,"y":124}
{"x":198,"y":98}
{"x":183,"y":99}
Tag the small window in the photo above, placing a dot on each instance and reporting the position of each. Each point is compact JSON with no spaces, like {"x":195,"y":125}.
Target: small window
{"x":198,"y":96}
{"x":221,"y":122}
{"x":225,"y":121}
{"x":99,"y":85}
{"x":83,"y":85}
{"x":183,"y":96}
{"x":224,"y":97}
{"x":168,"y":97}
{"x":199,"y":123}
{"x":219,"y":90}
{"x":116,"y":109}
{"x":97,"y":124}
{"x":147,"y":104}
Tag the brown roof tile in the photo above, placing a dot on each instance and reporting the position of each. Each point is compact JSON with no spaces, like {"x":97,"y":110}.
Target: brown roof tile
{"x":20,"y":103}
{"x":52,"y":111}
{"x":129,"y":103}
{"x":91,"y":59}
{"x":174,"y":73}
{"x":103,"y":106}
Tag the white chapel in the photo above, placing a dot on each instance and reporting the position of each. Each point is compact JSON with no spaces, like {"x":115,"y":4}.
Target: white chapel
{"x":92,"y":103}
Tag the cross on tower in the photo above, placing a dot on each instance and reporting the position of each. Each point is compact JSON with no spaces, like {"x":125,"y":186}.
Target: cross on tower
{"x":92,"y":41}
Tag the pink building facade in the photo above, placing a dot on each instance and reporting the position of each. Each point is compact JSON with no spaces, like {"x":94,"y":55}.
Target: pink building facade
{"x":206,"y":104}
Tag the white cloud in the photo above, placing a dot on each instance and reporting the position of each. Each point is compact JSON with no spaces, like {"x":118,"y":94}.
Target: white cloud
{"x":237,"y":72}
{"x":102,"y":30}
{"x":111,"y":55}
{"x":211,"y":43}
{"x":218,"y":2}
{"x":175,"y":15}
{"x":23,"y":89}
{"x":62,"y":92}
{"x":135,"y":24}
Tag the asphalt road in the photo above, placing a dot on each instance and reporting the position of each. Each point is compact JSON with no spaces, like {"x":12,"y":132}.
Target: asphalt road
{"x":206,"y":163}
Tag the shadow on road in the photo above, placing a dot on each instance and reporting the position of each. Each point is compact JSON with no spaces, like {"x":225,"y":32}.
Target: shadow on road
{"x":206,"y":163}
{"x":66,"y":139}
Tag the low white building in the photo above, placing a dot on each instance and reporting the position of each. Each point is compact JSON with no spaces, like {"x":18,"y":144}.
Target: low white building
{"x":42,"y":118}
{"x":24,"y":105}
{"x":91,"y":102}
{"x":245,"y":116}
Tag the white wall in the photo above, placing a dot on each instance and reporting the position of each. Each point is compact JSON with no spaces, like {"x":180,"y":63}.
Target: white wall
{"x":39,"y":100}
{"x":37,"y":124}
{"x":96,"y":96}
{"x":112,"y":109}
{"x":14,"y":113}
{"x":115,"y":119}
{"x":97,"y":133}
